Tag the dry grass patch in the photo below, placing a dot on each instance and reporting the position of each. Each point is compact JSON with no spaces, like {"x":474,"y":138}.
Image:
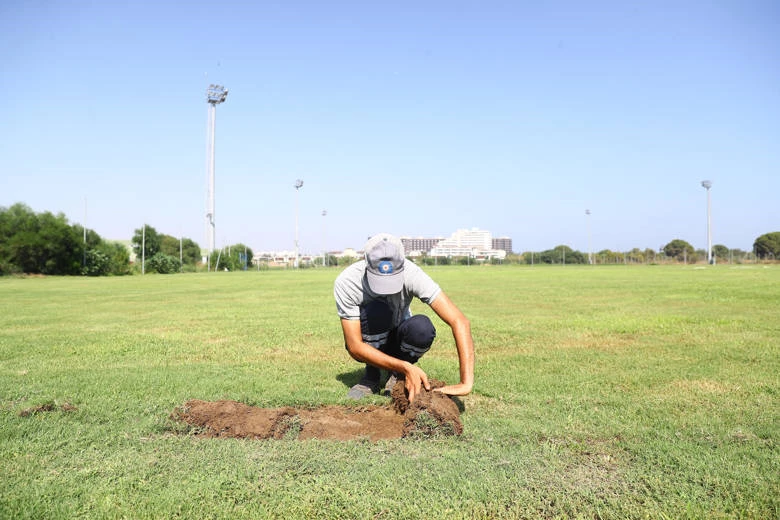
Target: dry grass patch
{"x":597,"y":341}
{"x":706,"y":386}
{"x":592,"y":465}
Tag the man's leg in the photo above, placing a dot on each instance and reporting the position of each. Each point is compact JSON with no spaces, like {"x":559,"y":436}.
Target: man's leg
{"x":376,"y":320}
{"x":409,"y":342}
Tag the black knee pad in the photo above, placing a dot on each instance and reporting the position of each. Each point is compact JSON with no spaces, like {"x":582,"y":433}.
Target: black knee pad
{"x":416,"y":335}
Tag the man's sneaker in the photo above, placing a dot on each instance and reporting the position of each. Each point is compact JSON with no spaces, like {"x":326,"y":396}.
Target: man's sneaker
{"x":391,"y":381}
{"x":363,"y":388}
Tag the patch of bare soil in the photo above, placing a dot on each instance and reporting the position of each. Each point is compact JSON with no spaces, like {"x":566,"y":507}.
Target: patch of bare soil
{"x":432,"y":414}
{"x":47,"y":407}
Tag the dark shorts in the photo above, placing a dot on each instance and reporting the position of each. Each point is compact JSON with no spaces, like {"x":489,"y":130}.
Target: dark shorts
{"x":408,"y":341}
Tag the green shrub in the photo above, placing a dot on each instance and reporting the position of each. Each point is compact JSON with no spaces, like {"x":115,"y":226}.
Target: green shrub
{"x":163,"y":264}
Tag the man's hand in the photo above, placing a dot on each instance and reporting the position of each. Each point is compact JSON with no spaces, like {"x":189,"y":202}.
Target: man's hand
{"x":415,"y":381}
{"x":459,"y":389}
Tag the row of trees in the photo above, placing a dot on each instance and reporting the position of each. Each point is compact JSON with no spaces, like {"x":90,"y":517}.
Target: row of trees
{"x":766,"y":247}
{"x":163,"y":253}
{"x":47,"y":244}
{"x":166,"y":254}
{"x":675,"y":251}
{"x":43,"y":243}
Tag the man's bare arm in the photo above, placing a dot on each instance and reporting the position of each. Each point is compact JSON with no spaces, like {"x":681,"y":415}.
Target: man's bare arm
{"x":461,"y":331}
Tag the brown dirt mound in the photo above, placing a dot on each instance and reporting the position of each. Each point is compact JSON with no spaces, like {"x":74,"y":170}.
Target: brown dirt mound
{"x":47,"y":407}
{"x":431,"y":415}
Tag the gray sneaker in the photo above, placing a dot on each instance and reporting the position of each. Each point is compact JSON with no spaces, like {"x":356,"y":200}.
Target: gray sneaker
{"x":391,"y":381}
{"x":363,"y":388}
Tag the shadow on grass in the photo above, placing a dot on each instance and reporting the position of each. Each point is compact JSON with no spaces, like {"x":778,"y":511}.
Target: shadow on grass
{"x":350,"y":379}
{"x":459,"y":403}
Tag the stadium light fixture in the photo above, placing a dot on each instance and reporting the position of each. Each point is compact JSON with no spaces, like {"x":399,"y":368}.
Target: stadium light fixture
{"x":215,"y":95}
{"x":590,"y":253}
{"x":298,"y":186}
{"x":707,"y":185}
{"x":324,"y":247}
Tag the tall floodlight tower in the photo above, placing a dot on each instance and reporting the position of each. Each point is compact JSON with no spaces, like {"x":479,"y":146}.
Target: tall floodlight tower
{"x":707,"y":185}
{"x":84,"y":260}
{"x":298,"y":186}
{"x":215,"y":95}
{"x":590,"y":253}
{"x":324,"y":247}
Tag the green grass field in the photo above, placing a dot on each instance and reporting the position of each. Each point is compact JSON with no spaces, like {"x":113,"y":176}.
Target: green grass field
{"x":601,"y":392}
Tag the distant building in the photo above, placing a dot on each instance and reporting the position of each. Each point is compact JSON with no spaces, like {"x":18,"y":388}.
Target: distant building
{"x":468,"y":239}
{"x":504,"y":243}
{"x":349,"y":253}
{"x":419,"y":245}
{"x":274,"y":258}
{"x":474,"y":243}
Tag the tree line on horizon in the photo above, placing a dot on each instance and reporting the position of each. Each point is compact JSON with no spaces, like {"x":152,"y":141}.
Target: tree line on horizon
{"x":44,"y":243}
{"x":166,"y":254}
{"x":677,"y":250}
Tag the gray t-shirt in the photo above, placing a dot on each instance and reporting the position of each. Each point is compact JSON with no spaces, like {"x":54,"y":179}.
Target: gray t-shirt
{"x":352,"y":292}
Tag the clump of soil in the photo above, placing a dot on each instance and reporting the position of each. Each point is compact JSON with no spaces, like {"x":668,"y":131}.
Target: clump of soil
{"x":432,"y":414}
{"x":47,"y":407}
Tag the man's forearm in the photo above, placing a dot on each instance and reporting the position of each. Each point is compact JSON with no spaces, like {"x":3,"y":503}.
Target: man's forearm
{"x":465,"y":346}
{"x":365,"y":353}
{"x":464,"y":343}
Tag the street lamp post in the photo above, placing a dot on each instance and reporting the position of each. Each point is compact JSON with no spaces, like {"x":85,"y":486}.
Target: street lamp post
{"x":84,"y":256}
{"x":590,"y":253}
{"x":298,"y":186}
{"x":215,"y":95}
{"x":324,"y":247}
{"x":707,"y":185}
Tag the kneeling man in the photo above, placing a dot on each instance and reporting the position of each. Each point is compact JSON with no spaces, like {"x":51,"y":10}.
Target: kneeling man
{"x":373,"y":298}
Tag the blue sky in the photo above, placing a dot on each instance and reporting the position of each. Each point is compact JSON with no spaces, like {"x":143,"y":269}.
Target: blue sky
{"x":416,"y":118}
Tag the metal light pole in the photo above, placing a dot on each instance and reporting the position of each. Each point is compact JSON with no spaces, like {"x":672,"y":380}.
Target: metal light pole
{"x":84,"y":258}
{"x":298,"y":186}
{"x":143,"y":250}
{"x":215,"y":95}
{"x":324,"y":247}
{"x":590,"y":253}
{"x":707,"y":185}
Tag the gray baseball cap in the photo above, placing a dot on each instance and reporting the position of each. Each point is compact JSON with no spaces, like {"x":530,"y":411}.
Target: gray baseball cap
{"x":384,"y":264}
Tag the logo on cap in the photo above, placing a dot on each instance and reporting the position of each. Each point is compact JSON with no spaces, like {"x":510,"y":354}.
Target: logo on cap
{"x":385,"y":267}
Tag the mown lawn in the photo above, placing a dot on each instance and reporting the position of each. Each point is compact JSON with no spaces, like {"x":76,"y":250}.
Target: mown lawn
{"x":601,"y":392}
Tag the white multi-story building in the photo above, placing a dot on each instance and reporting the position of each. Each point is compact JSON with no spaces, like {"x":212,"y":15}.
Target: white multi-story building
{"x":469,"y":238}
{"x":474,"y":243}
